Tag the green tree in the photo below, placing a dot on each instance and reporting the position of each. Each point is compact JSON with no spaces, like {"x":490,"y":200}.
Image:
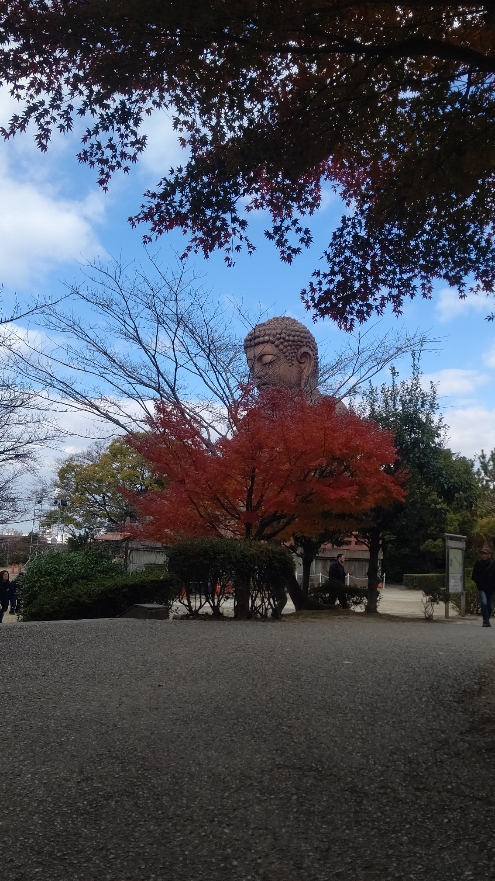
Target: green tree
{"x":442,"y":489}
{"x":390,"y":104}
{"x":485,"y":519}
{"x":94,"y":485}
{"x":485,"y":473}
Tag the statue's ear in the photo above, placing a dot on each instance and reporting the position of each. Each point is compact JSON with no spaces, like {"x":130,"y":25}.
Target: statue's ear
{"x":305,"y":361}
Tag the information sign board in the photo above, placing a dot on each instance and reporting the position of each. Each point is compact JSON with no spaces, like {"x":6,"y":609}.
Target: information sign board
{"x":455,"y":569}
{"x":454,"y":576}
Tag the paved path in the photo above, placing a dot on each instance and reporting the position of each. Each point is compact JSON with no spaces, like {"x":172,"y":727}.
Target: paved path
{"x":9,"y":619}
{"x":316,"y":748}
{"x":399,"y":600}
{"x":395,"y":600}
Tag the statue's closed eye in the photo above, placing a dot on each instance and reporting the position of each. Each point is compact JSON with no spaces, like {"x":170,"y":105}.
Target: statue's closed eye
{"x":267,"y":359}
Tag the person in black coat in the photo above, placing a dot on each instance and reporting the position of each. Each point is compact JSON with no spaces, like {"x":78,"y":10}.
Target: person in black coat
{"x":336,"y":573}
{"x":13,"y":597}
{"x":484,"y":579}
{"x":4,"y":593}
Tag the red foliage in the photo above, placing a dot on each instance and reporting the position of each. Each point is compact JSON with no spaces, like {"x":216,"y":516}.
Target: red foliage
{"x":288,"y":462}
{"x":389,"y":104}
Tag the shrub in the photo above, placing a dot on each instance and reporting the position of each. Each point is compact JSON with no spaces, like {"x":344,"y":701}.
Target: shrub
{"x":51,"y":571}
{"x":105,"y":598}
{"x":213,"y":569}
{"x":356,"y":596}
{"x":270,"y":567}
{"x":433,"y":587}
{"x":473,"y":604}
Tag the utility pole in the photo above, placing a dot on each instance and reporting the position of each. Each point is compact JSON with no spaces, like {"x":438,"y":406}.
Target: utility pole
{"x":34,"y":547}
{"x":60,"y":502}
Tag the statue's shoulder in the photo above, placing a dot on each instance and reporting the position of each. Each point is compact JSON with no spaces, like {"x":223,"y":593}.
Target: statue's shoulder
{"x":340,"y":407}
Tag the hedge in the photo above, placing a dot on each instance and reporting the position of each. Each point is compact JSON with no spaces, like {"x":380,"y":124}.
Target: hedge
{"x":431,"y":582}
{"x":213,"y":569}
{"x":102,"y":598}
{"x":55,"y":570}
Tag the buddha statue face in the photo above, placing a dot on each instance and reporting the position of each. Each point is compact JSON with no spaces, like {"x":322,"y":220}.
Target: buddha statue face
{"x":268,"y":366}
{"x":282,"y":353}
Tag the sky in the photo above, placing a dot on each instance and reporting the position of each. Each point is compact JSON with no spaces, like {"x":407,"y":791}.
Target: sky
{"x":54,"y":218}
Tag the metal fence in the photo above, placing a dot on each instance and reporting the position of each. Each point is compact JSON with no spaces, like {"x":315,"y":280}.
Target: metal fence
{"x":350,"y":580}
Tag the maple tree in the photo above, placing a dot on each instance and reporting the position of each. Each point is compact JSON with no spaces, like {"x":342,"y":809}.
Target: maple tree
{"x":391,"y":104}
{"x":286,"y":465}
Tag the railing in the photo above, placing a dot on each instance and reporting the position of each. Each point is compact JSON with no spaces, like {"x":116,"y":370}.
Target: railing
{"x":350,"y":579}
{"x":316,"y":580}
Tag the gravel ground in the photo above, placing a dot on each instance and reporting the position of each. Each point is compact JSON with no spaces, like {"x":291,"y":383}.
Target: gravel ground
{"x":338,"y":747}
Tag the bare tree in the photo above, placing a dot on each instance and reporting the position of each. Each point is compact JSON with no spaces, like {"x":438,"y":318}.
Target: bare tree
{"x":130,"y":339}
{"x":24,"y":428}
{"x":366,"y":354}
{"x":24,"y":421}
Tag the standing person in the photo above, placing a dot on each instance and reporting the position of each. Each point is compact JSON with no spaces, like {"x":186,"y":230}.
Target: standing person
{"x":484,"y":579}
{"x":4,"y":593}
{"x":13,"y":597}
{"x":336,"y":572}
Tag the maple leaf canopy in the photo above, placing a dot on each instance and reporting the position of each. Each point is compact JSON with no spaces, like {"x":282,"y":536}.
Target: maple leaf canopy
{"x":288,"y":467}
{"x":390,"y":104}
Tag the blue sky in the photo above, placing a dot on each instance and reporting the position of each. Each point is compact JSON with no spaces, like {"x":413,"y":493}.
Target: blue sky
{"x":54,"y":217}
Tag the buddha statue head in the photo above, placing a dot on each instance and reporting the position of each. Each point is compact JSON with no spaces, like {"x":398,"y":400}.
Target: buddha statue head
{"x":283,"y":353}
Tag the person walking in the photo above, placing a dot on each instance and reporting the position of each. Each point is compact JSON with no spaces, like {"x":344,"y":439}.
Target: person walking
{"x":4,"y":593}
{"x":484,"y":578}
{"x":336,"y":573}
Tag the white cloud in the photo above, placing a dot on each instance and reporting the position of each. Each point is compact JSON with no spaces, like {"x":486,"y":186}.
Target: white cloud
{"x":23,"y":149}
{"x":163,"y":150}
{"x":489,"y":357}
{"x":471,"y":429}
{"x":39,"y":229}
{"x":8,"y":106}
{"x":450,"y":305}
{"x":455,"y":381}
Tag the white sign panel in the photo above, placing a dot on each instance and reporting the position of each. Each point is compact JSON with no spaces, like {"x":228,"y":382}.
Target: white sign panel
{"x":455,"y":563}
{"x":455,"y":583}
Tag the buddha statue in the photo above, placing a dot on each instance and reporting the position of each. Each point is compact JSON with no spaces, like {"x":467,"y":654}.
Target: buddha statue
{"x":282,"y":352}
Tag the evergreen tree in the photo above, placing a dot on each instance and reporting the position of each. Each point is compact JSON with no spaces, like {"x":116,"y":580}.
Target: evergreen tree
{"x":442,"y":488}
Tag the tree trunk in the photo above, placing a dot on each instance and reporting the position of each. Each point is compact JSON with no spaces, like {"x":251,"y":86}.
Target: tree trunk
{"x":301,"y":601}
{"x":309,"y":548}
{"x":241,"y":600}
{"x":296,"y":593}
{"x":374,"y":545}
{"x":307,"y":559}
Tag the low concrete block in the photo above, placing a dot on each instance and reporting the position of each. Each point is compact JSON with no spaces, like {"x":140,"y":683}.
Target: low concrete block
{"x":147,"y":610}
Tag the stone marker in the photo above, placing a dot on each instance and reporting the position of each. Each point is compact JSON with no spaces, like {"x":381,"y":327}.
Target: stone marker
{"x":151,"y":611}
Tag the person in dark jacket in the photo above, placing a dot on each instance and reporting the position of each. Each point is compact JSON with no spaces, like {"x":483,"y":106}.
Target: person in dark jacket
{"x":13,"y":597}
{"x":4,"y":593}
{"x":336,"y":573}
{"x":484,"y":579}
